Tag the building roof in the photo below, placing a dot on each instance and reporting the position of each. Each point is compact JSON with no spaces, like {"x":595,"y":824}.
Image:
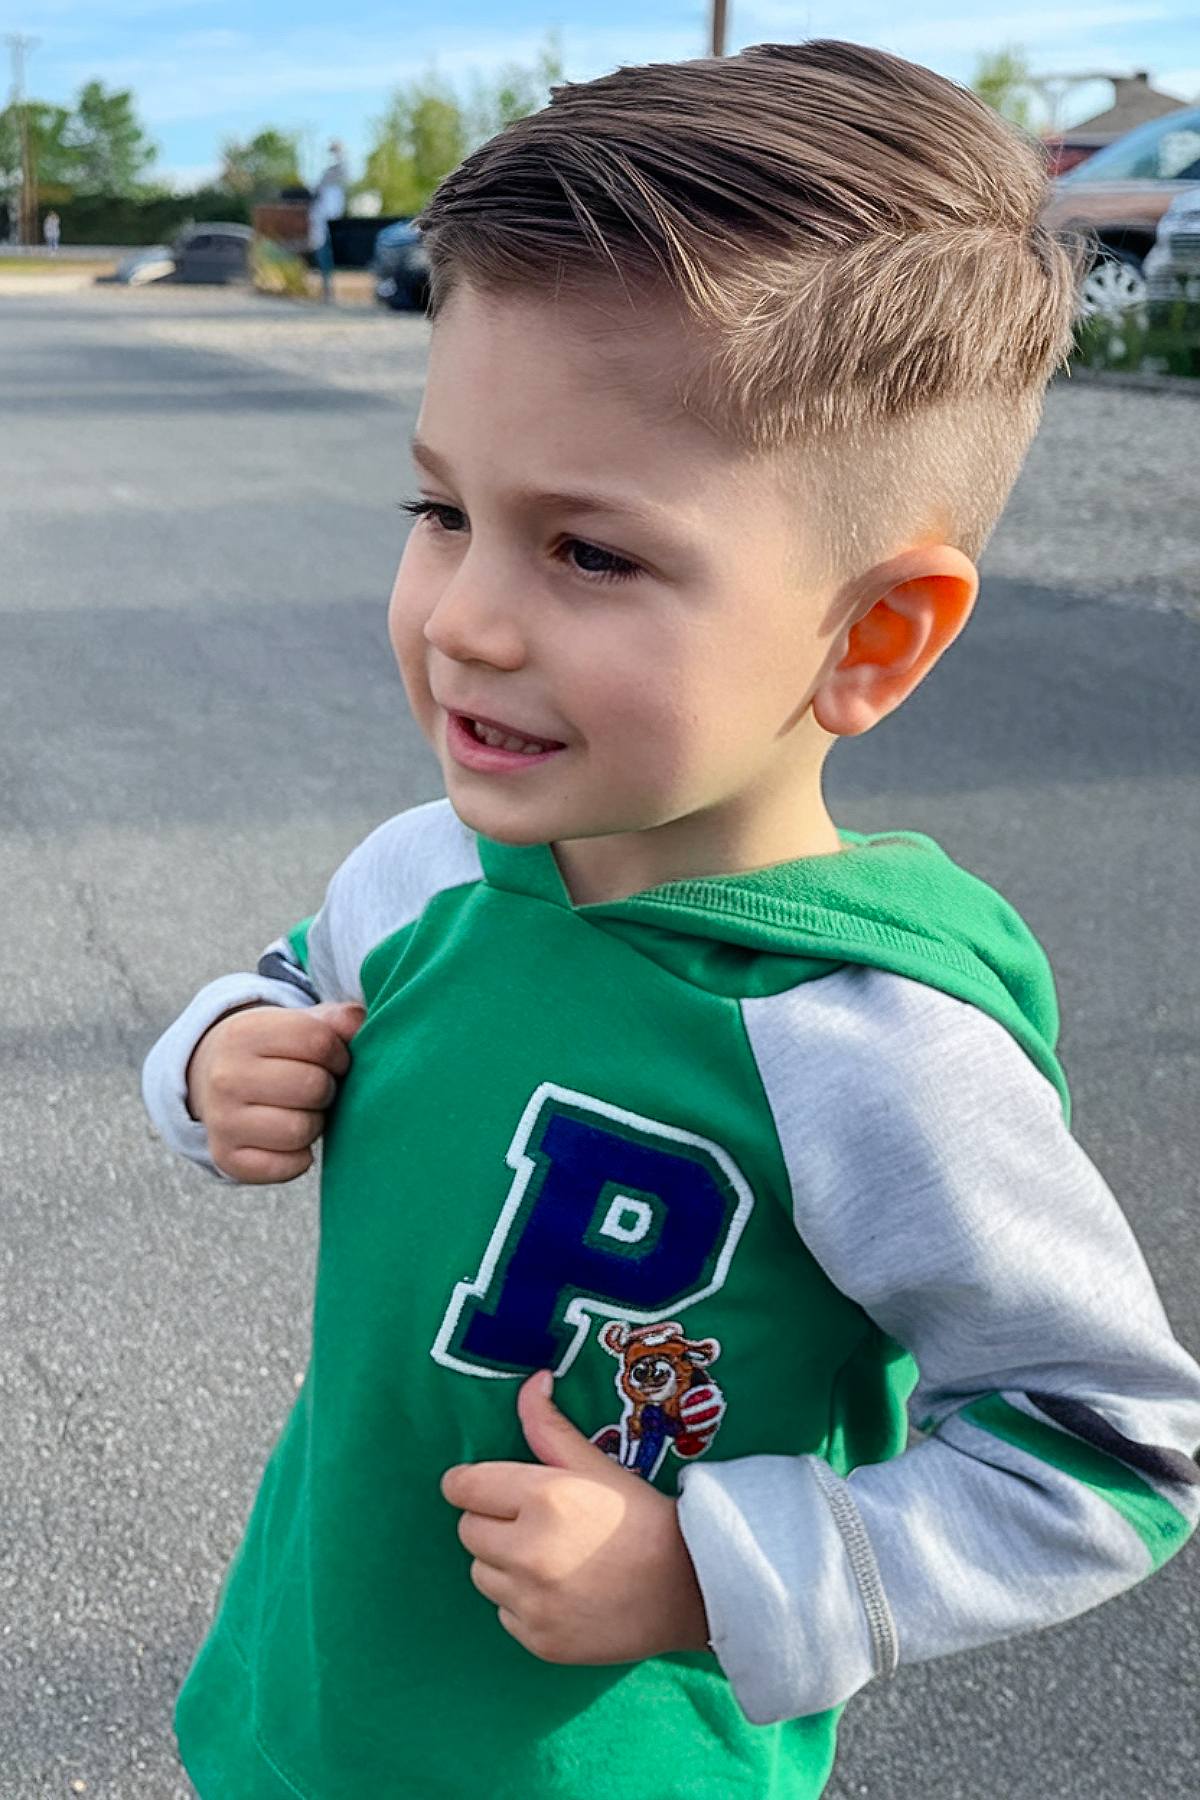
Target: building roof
{"x":1134,"y":102}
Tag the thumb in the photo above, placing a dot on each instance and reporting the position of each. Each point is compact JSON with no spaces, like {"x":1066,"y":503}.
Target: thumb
{"x":344,"y":1015}
{"x":551,"y":1436}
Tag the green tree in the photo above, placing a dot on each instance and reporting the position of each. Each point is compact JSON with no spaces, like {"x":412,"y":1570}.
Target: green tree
{"x":10,"y":151}
{"x":428,"y":129}
{"x":53,"y":159}
{"x":260,"y":166}
{"x":515,"y":91}
{"x":109,"y":150}
{"x":1004,"y":79}
{"x":420,"y":138}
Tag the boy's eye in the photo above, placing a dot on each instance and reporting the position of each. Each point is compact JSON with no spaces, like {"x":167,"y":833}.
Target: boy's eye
{"x":448,"y":518}
{"x":586,"y":559}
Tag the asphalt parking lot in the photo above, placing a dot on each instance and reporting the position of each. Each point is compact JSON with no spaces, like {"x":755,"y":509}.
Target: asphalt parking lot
{"x":200,"y":717}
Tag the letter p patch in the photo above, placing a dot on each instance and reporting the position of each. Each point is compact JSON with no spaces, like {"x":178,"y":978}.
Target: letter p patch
{"x":608,"y":1213}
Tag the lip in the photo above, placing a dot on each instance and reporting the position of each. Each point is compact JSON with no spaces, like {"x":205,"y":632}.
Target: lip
{"x":487,"y":759}
{"x":464,"y":712}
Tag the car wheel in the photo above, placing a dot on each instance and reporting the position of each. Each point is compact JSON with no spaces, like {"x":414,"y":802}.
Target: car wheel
{"x":1113,"y":285}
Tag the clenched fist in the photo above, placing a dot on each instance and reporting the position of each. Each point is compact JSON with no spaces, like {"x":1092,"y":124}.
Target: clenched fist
{"x":261,"y":1079}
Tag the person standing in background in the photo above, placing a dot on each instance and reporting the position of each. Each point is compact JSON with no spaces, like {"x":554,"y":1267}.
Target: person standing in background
{"x":329,"y":202}
{"x":52,"y":231}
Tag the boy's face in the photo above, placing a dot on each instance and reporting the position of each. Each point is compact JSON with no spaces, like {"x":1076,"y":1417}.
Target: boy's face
{"x":601,"y":571}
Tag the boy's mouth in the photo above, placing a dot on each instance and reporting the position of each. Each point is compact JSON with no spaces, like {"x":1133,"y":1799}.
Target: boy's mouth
{"x":507,"y":737}
{"x":489,"y":745}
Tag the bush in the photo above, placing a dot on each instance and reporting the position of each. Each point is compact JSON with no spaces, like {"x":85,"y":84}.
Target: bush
{"x":274,"y":270}
{"x":108,"y":219}
{"x":1159,"y":338}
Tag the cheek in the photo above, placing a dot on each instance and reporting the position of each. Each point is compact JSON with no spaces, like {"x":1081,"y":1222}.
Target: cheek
{"x":408,"y":609}
{"x":647,"y":704}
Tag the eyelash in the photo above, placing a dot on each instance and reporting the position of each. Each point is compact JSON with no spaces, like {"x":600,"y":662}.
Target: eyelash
{"x":623,"y":569}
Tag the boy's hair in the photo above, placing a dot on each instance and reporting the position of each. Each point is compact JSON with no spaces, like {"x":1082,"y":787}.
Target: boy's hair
{"x":857,"y":239}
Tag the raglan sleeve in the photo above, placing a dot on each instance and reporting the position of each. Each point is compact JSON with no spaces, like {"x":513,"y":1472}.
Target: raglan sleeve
{"x":296,"y":970}
{"x":384,"y":882}
{"x":933,"y":1177}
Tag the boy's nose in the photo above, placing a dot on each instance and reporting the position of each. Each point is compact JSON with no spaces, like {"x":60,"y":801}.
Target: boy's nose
{"x":472,"y":623}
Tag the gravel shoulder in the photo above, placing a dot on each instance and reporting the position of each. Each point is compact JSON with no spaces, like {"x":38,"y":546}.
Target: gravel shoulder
{"x":1105,"y":504}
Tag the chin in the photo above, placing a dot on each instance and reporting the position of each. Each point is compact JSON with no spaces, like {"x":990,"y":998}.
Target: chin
{"x":481,"y":818}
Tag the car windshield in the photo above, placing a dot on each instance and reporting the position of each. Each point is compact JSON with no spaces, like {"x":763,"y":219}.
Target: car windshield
{"x":1164,"y":150}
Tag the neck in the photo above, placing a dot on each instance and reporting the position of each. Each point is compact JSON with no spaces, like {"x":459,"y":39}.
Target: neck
{"x":726,"y":840}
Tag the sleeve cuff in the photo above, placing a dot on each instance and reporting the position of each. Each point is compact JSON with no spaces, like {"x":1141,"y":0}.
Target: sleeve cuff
{"x":164,"y":1074}
{"x":781,"y":1583}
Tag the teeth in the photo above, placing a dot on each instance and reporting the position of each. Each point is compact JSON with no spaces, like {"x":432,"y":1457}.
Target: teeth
{"x":500,"y":740}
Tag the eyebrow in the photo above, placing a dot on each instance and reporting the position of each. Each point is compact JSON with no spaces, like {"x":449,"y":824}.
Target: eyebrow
{"x":582,"y":501}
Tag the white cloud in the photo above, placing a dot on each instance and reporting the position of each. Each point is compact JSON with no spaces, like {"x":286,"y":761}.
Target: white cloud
{"x":218,"y":38}
{"x":185,"y":178}
{"x":213,"y":73}
{"x":113,"y":12}
{"x":1183,"y":83}
{"x":1059,"y":40}
{"x":949,"y":31}
{"x":218,"y":74}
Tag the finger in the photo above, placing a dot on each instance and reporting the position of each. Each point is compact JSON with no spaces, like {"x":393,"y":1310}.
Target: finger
{"x":273,"y":1128}
{"x":280,"y":1081}
{"x":488,"y":1539}
{"x":262,"y":1167}
{"x":497,"y":1587}
{"x":513,"y":1626}
{"x":344,"y":1015}
{"x":301,"y":1036}
{"x":491,"y":1488}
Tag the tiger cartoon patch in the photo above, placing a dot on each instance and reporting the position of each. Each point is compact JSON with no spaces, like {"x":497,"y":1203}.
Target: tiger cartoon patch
{"x":667,"y":1399}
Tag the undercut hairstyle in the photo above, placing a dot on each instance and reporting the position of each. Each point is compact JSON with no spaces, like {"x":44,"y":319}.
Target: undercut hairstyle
{"x":854,"y":242}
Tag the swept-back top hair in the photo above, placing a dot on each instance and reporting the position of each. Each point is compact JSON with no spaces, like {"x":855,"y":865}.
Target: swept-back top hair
{"x":857,"y":239}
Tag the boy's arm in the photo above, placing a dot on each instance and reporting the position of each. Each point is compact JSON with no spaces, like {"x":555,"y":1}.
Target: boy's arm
{"x":281,"y":979}
{"x":384,"y":884}
{"x":936,"y":1183}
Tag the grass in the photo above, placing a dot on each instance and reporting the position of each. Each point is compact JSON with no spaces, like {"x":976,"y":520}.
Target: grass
{"x":53,"y":265}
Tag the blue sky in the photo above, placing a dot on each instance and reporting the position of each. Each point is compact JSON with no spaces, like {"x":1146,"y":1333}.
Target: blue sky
{"x":206,"y":69}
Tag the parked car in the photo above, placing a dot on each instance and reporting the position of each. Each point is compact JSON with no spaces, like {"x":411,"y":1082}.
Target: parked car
{"x":153,"y":263}
{"x":213,"y":253}
{"x":1119,"y":195}
{"x":400,"y":266}
{"x":1172,"y":268}
{"x":210,"y":253}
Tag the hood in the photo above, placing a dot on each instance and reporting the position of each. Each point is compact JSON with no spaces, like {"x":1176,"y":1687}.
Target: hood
{"x":893,"y":900}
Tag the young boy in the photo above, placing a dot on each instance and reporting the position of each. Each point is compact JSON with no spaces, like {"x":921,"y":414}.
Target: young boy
{"x":727,"y":1119}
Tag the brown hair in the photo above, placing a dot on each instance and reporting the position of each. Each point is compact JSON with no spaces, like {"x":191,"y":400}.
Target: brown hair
{"x":857,"y":239}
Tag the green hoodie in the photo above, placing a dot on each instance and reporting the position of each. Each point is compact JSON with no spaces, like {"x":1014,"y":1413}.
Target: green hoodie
{"x":554,"y":1120}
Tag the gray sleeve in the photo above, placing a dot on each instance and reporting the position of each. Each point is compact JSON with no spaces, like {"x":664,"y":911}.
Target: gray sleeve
{"x":384,"y":884}
{"x":936,"y":1183}
{"x":164,"y":1073}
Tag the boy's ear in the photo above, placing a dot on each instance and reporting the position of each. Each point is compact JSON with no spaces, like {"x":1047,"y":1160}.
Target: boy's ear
{"x":901,"y":617}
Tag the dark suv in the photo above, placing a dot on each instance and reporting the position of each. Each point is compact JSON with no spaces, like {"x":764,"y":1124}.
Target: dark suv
{"x":400,"y":266}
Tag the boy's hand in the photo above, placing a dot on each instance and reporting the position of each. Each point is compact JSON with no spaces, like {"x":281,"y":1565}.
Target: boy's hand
{"x":584,"y":1559}
{"x":261,"y":1078}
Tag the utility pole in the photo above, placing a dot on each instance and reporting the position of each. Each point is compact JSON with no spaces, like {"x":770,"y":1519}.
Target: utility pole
{"x":18,"y":46}
{"x":717,"y":40}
